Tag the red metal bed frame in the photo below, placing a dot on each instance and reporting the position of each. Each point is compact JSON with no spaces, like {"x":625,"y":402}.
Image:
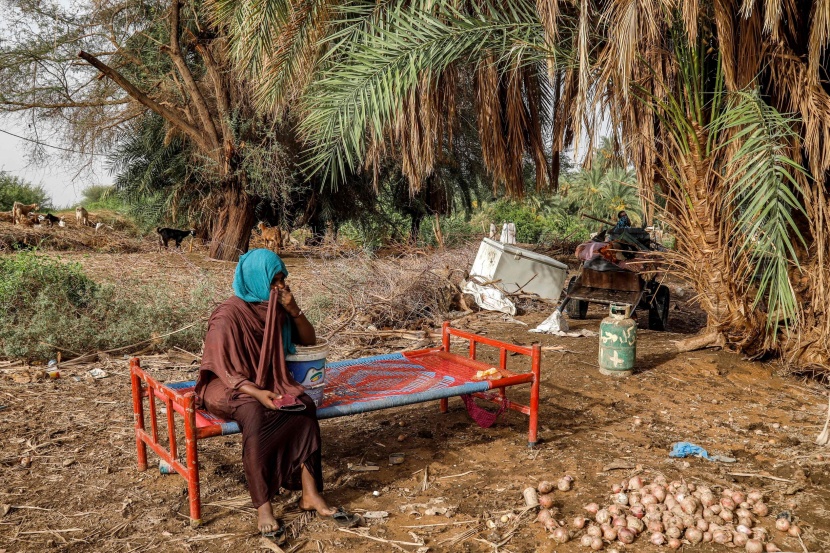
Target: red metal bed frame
{"x":207,"y":426}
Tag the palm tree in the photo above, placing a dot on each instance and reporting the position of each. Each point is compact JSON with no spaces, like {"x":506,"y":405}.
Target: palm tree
{"x":694,"y":92}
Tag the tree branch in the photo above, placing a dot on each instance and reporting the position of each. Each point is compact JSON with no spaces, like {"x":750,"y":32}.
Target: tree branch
{"x":175,"y":53}
{"x":223,"y":99}
{"x":168,"y":114}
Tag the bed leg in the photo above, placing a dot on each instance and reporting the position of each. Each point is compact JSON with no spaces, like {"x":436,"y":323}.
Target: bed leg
{"x":193,"y":491}
{"x":536,"y":368}
{"x":138,"y":415}
{"x":445,"y":405}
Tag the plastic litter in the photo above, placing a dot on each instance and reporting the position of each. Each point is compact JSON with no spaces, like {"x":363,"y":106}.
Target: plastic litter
{"x":558,"y":326}
{"x":490,"y":298}
{"x":687,"y":449}
{"x":98,"y":373}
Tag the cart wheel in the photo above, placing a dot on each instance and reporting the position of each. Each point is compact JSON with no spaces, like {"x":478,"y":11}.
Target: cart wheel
{"x":658,"y":311}
{"x":576,"y":309}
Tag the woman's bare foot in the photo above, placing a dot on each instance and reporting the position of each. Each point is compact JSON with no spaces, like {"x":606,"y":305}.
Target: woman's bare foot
{"x":265,"y":519}
{"x":311,"y":499}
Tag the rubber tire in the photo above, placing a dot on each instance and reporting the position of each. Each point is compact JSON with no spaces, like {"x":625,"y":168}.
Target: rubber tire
{"x":576,"y":309}
{"x":658,"y":311}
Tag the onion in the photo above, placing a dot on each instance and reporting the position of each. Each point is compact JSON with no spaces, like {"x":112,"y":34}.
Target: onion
{"x":759,"y":533}
{"x":743,"y":513}
{"x":565,"y":484}
{"x":727,"y":515}
{"x":754,"y":546}
{"x":694,"y":535}
{"x":585,"y":540}
{"x":738,"y":497}
{"x":674,"y":532}
{"x":707,"y":499}
{"x":745,"y":505}
{"x":674,"y":543}
{"x":543,"y":515}
{"x":746,"y":522}
{"x":592,"y":508}
{"x":674,"y":485}
{"x":626,"y":535}
{"x":688,"y":521}
{"x":722,"y":536}
{"x":707,"y":537}
{"x":618,"y":522}
{"x":760,"y":509}
{"x":772,"y":548}
{"x":794,"y":531}
{"x":740,"y":539}
{"x":551,"y":525}
{"x":616,"y":488}
{"x":624,"y":485}
{"x":545,"y":487}
{"x":609,"y":533}
{"x":659,"y":492}
{"x":621,"y":499}
{"x":561,"y":535}
{"x":635,"y":524}
{"x":596,"y":544}
{"x":594,"y":531}
{"x":782,"y":524}
{"x":657,"y":538}
{"x":702,"y":525}
{"x":603,"y":516}
{"x":635,"y":483}
{"x":637,"y":510}
{"x":653,"y":509}
{"x":755,"y":496}
{"x":689,"y":505}
{"x":579,"y":523}
{"x":546,"y":501}
{"x":743,"y":529}
{"x":670,"y":502}
{"x":616,"y":510}
{"x":727,"y":503}
{"x":716,"y":508}
{"x":655,"y":526}
{"x":648,"y":499}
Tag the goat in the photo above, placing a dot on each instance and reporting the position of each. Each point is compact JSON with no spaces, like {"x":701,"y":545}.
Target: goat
{"x":50,"y":219}
{"x":20,"y":210}
{"x":167,"y":234}
{"x":271,"y":234}
{"x":81,"y":216}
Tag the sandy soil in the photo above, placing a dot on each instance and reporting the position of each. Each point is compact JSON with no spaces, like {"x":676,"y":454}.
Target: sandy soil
{"x":68,"y":479}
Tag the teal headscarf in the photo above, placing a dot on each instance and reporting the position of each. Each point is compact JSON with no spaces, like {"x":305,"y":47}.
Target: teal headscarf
{"x":252,"y":282}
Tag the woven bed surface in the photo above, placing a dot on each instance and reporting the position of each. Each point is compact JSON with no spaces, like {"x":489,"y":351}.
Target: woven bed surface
{"x":379,"y":382}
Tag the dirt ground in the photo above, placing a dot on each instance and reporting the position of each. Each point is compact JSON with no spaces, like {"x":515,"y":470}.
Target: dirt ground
{"x":68,"y":478}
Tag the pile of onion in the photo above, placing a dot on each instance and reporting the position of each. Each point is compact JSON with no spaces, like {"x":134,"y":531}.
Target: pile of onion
{"x":669,"y":514}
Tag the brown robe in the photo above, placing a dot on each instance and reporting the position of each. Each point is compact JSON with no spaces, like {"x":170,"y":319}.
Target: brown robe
{"x":244,"y":345}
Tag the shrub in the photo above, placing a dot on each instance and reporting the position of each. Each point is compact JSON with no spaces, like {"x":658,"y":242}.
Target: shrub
{"x":47,"y":305}
{"x":14,"y":189}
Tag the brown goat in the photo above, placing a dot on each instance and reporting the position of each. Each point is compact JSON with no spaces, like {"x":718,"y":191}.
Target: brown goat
{"x":19,"y":211}
{"x":82,"y":216}
{"x":271,"y":234}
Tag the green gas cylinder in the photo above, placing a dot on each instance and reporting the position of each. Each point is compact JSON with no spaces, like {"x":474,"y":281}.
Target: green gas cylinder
{"x":617,"y":341}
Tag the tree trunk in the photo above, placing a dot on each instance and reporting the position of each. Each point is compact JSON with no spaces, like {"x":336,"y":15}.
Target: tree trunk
{"x":232,"y":230}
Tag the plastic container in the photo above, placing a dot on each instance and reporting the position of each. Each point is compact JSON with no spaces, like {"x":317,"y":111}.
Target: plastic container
{"x":517,"y":269}
{"x":617,"y":341}
{"x":308,"y":367}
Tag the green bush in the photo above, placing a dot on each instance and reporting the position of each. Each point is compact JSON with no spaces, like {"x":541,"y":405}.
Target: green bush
{"x":48,"y":306}
{"x":14,"y":189}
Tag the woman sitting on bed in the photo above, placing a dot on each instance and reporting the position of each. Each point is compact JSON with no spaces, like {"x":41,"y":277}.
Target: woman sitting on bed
{"x":243,"y":377}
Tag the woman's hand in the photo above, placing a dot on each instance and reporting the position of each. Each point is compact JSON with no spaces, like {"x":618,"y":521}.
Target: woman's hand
{"x":265,"y":397}
{"x":287,"y":301}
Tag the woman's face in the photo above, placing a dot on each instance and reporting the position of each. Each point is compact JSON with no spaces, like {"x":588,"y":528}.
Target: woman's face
{"x":279,"y":281}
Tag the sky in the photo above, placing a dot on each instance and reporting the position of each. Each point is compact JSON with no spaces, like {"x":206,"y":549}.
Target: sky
{"x":57,"y":173}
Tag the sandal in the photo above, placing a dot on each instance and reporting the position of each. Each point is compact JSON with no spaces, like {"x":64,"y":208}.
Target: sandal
{"x":278,"y":535}
{"x":344,"y":519}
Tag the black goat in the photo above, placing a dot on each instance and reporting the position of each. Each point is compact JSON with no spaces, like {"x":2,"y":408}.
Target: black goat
{"x":49,"y":219}
{"x":167,"y":234}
